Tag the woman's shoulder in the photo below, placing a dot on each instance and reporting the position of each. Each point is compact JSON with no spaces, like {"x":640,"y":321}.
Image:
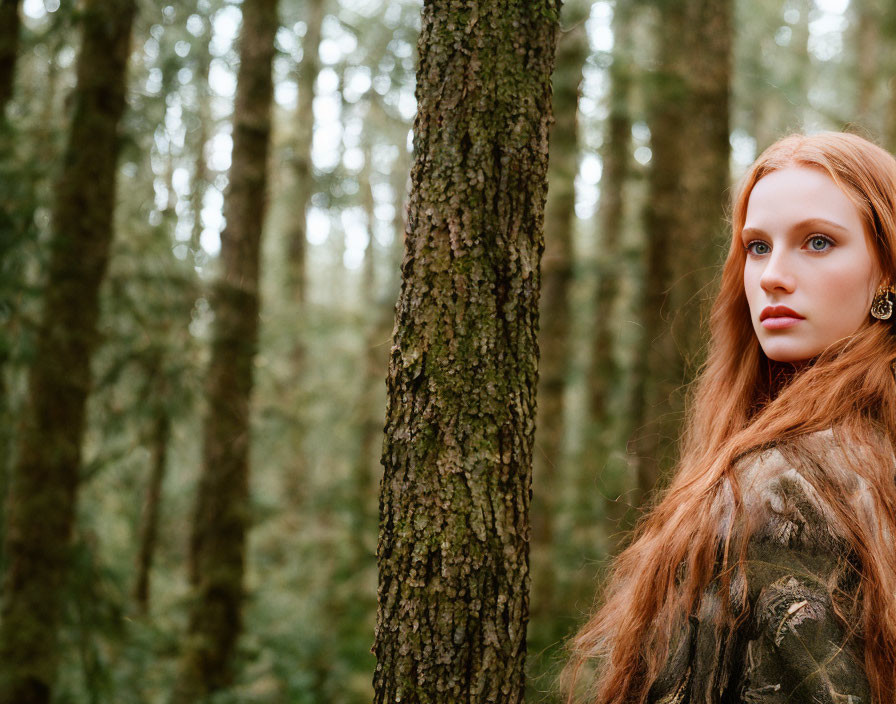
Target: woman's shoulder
{"x":799,"y":491}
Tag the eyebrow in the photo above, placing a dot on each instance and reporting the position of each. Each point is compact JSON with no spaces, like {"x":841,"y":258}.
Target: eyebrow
{"x":810,"y":222}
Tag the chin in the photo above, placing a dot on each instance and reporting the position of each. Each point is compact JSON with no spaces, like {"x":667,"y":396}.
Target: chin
{"x":787,"y":355}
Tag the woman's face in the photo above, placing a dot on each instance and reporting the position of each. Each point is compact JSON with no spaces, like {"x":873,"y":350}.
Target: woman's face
{"x":810,"y":274}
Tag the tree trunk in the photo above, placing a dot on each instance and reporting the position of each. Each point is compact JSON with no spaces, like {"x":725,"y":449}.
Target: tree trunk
{"x":706,"y":173}
{"x":149,"y":527}
{"x":222,"y":507}
{"x":296,"y":473}
{"x":556,"y":278}
{"x":200,"y":182}
{"x":375,"y":361}
{"x":41,"y":504}
{"x":801,"y":77}
{"x":10,"y":22}
{"x":688,"y":178}
{"x":376,"y":357}
{"x":868,"y":19}
{"x":453,"y":549}
{"x":604,"y":371}
{"x":303,"y":172}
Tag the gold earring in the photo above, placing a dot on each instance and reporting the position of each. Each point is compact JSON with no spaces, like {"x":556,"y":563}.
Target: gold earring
{"x":882,"y":305}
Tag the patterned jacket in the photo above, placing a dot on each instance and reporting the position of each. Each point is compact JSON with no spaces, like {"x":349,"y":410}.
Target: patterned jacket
{"x":791,"y":647}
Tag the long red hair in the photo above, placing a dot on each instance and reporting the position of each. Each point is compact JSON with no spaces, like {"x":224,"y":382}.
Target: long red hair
{"x":739,"y":404}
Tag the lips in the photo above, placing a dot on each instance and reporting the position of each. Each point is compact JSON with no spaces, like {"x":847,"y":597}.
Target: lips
{"x":779,"y":312}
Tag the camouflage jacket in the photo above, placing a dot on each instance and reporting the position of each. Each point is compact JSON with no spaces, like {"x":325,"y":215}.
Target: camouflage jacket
{"x":792,"y":647}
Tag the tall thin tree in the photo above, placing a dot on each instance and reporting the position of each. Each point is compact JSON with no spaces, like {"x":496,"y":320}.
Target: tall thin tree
{"x":603,"y":377}
{"x":556,"y":282}
{"x":217,"y":548}
{"x":297,"y":242}
{"x":688,"y":177}
{"x":453,"y":547}
{"x":9,"y":48}
{"x":44,"y":482}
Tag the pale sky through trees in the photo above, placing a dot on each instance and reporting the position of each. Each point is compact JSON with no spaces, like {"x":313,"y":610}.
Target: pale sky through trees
{"x":337,"y":136}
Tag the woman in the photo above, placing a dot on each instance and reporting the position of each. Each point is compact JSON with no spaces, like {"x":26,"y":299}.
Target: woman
{"x":767,"y":571}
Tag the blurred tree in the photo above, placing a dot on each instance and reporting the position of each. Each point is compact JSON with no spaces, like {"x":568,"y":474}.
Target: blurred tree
{"x":303,"y":170}
{"x":31,"y":142}
{"x":165,"y":363}
{"x":9,"y":46}
{"x":799,"y":77}
{"x":45,"y":477}
{"x":201,"y":176}
{"x":554,"y":316}
{"x":888,"y":29}
{"x":375,"y":362}
{"x":774,"y":67}
{"x":453,"y":549}
{"x":688,"y":177}
{"x":603,"y":376}
{"x":297,"y":241}
{"x":217,"y":548}
{"x":869,"y":45}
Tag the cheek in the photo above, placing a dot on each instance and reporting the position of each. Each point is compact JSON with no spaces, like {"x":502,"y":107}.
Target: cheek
{"x":847,"y":298}
{"x":751,"y":285}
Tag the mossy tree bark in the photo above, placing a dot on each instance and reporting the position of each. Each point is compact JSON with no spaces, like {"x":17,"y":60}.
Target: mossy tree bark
{"x":688,"y":178}
{"x":556,"y":279}
{"x":44,"y":482}
{"x":453,"y":548}
{"x":222,"y":508}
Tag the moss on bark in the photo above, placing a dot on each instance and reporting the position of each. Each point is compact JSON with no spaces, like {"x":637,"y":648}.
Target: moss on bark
{"x":453,"y":548}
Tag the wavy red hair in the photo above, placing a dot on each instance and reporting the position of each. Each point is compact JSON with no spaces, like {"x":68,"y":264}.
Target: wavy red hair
{"x":739,"y":403}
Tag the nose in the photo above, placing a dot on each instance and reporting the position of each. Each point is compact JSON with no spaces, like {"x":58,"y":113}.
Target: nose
{"x":777,"y":274}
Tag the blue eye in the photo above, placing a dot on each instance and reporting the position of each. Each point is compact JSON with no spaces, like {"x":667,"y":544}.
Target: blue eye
{"x":758,"y":247}
{"x":819,"y":243}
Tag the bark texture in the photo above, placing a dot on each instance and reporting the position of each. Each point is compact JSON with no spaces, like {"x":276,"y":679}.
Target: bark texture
{"x":453,"y":547}
{"x":222,"y":509}
{"x":687,"y":183}
{"x":42,"y":494}
{"x":556,"y":279}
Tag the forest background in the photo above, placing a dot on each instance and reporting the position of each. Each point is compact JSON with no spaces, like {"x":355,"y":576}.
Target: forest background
{"x":624,"y":280}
